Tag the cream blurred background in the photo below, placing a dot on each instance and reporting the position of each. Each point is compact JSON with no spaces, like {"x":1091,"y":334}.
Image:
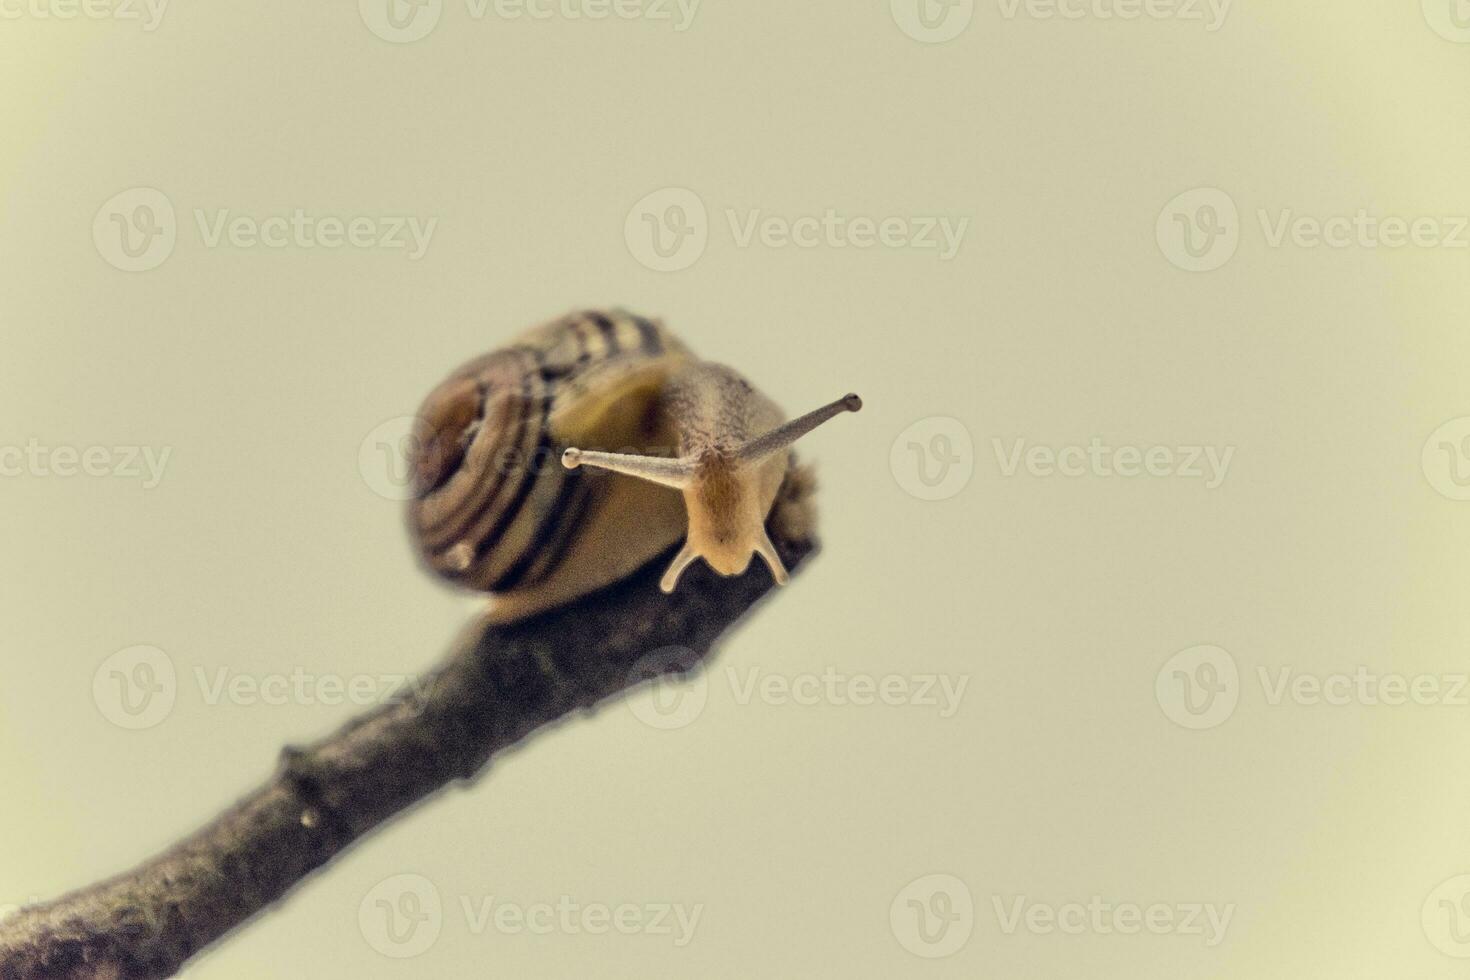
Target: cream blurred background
{"x":1074,"y":759}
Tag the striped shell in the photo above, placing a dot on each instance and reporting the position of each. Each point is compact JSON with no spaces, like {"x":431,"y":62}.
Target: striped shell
{"x":495,"y":511}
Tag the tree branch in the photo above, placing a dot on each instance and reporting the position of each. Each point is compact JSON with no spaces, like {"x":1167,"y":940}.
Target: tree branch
{"x":502,"y":683}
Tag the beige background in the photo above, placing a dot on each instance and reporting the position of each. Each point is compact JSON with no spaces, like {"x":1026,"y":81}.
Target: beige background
{"x":1057,"y":600}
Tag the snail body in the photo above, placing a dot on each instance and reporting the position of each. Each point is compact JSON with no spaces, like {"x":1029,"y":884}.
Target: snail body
{"x":503,"y":498}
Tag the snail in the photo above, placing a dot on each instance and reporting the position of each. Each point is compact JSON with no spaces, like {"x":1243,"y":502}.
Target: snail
{"x":587,"y":447}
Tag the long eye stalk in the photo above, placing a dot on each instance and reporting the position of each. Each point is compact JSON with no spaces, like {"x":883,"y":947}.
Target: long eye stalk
{"x":676,"y":473}
{"x":782,"y":436}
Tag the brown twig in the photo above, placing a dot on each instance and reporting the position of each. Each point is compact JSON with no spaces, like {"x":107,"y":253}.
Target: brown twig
{"x":502,"y":683}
